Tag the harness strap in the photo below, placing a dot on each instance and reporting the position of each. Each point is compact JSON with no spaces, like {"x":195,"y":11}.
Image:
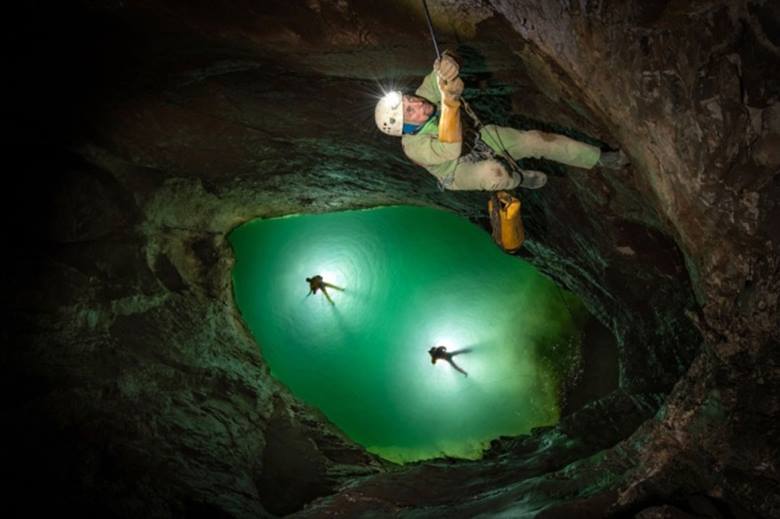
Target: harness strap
{"x":482,"y":147}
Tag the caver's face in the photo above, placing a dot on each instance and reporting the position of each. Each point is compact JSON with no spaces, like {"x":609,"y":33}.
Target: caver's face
{"x":416,"y":109}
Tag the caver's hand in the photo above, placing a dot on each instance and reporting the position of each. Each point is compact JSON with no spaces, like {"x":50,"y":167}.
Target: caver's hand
{"x":451,"y":90}
{"x":446,"y":67}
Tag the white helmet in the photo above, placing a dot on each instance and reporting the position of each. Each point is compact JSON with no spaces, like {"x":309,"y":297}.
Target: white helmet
{"x":389,"y":114}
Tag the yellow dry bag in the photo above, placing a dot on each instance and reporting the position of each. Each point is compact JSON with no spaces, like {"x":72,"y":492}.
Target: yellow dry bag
{"x":508,"y":230}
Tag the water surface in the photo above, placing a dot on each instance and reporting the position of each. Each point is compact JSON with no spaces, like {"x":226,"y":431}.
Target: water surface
{"x":412,"y":278}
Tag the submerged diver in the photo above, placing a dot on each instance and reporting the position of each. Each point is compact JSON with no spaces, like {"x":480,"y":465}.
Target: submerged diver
{"x":440,"y":353}
{"x":432,"y":136}
{"x":317,"y":283}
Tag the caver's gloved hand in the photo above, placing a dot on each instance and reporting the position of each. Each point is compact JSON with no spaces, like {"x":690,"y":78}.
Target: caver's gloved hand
{"x":446,"y":67}
{"x":451,"y":88}
{"x":447,"y":72}
{"x":449,"y":122}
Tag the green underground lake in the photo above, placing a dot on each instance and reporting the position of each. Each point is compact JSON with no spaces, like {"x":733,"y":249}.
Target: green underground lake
{"x":411,"y":278}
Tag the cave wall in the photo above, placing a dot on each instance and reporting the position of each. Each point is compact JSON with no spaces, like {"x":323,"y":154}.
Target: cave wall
{"x":156,"y":127}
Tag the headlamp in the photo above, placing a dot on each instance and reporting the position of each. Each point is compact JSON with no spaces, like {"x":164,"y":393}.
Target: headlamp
{"x":393,"y":99}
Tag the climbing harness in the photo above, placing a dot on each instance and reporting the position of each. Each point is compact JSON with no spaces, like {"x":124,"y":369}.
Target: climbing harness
{"x":504,"y":158}
{"x":474,"y":148}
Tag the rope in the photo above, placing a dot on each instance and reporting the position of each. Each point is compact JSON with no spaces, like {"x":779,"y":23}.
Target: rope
{"x":430,"y":27}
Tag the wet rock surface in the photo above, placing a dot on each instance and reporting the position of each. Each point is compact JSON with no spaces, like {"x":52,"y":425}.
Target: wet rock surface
{"x":133,"y":388}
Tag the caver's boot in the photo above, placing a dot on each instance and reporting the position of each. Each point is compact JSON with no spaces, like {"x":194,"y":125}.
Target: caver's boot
{"x":613,"y":159}
{"x":532,"y":179}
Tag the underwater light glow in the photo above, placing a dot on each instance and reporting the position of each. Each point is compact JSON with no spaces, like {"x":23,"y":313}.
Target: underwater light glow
{"x":413,"y":278}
